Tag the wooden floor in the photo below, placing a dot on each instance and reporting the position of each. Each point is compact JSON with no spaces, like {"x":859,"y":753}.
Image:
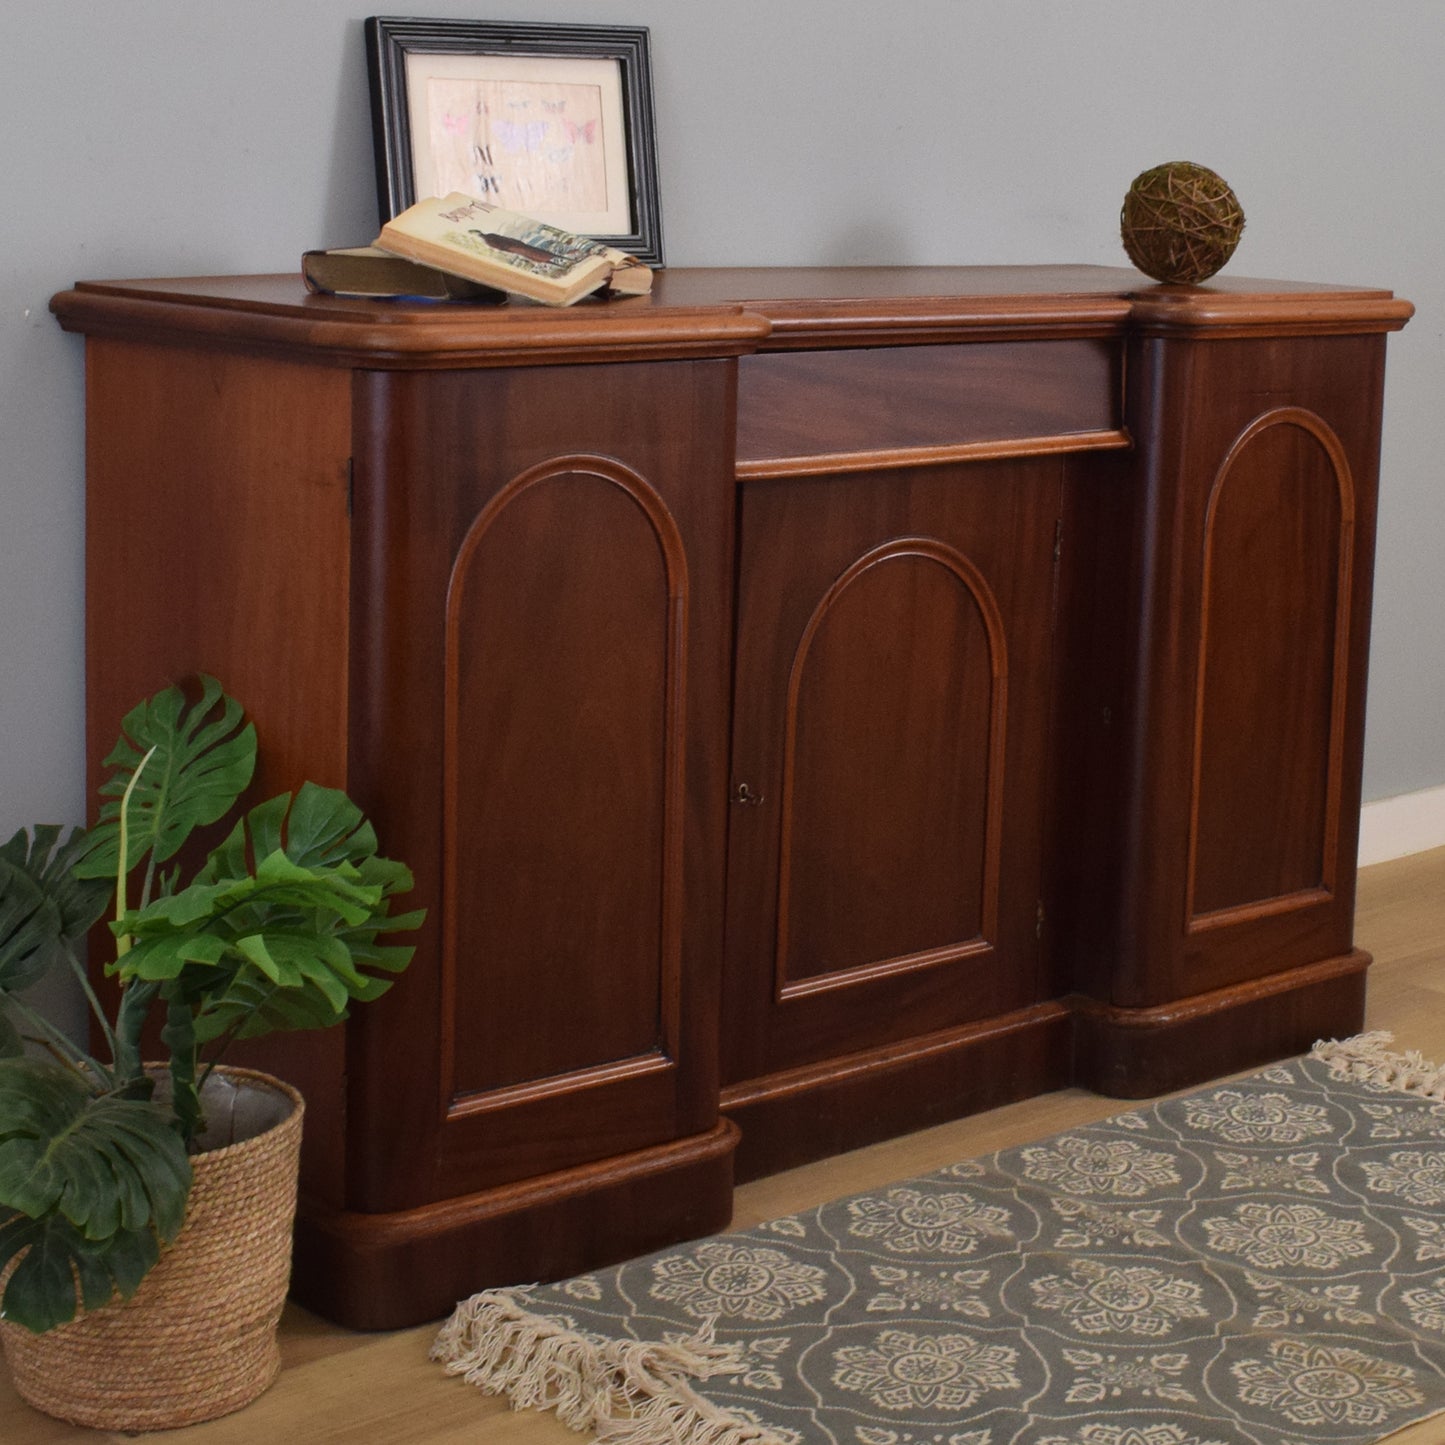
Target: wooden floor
{"x":381,"y":1390}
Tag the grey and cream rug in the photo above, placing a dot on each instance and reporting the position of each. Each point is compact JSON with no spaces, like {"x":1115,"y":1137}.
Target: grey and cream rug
{"x":1261,"y":1262}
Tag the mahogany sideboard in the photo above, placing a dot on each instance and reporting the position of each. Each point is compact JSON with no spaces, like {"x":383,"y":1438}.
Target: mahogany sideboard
{"x":815,"y":704}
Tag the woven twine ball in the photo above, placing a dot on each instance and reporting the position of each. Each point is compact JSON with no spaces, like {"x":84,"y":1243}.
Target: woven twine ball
{"x":1180,"y":222}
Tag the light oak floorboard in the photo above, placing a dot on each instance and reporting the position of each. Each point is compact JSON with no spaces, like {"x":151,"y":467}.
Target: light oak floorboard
{"x":338,"y":1386}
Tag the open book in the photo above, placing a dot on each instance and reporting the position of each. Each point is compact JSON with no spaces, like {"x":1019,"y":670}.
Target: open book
{"x":467,"y":237}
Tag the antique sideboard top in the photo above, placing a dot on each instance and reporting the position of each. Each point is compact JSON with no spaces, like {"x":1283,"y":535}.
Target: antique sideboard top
{"x":720,"y":312}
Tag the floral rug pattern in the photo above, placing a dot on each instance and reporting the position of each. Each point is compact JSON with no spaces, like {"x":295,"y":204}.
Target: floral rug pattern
{"x":1258,"y":1263}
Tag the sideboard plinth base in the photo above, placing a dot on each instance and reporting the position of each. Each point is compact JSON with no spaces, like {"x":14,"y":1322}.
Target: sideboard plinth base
{"x":1136,"y":1053}
{"x":390,"y":1271}
{"x":799,"y":1115}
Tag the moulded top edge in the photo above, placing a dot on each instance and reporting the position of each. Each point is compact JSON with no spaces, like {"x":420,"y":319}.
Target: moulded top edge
{"x":1167,"y":309}
{"x":717,"y":312}
{"x":276,"y":313}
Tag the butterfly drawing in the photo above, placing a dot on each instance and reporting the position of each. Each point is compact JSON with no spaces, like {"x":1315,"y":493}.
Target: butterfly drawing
{"x":555,"y":106}
{"x":515,"y":138}
{"x":585,"y":132}
{"x":454,"y":124}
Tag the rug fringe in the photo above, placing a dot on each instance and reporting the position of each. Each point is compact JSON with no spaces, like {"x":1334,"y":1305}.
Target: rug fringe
{"x":629,"y":1392}
{"x":1368,"y":1058}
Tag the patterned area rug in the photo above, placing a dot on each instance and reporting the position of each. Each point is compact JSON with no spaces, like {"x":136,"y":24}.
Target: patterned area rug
{"x":1261,"y":1262}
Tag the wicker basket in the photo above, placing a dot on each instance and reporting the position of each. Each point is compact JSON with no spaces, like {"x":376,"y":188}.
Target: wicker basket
{"x":198,"y":1338}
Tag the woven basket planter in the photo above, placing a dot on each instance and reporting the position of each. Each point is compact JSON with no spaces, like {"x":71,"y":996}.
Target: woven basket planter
{"x":198,"y":1338}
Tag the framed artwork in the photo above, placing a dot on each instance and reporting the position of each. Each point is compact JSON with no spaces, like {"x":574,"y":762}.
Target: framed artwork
{"x":553,"y":121}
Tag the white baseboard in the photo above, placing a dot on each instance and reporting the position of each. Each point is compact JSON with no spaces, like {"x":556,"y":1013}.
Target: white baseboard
{"x":1410,"y":823}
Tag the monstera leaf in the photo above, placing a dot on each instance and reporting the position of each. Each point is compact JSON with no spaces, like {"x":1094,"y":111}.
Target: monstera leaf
{"x":207,"y":922}
{"x":285,"y":913}
{"x":278,"y":931}
{"x":322,"y":826}
{"x":44,"y":908}
{"x":30,"y":927}
{"x":97,"y":1182}
{"x":42,"y":1291}
{"x":325,"y":826}
{"x":200,"y":761}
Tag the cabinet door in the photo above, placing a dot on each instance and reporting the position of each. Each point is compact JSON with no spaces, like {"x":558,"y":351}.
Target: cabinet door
{"x":891,"y":701}
{"x":542,"y":595}
{"x":1247,"y":637}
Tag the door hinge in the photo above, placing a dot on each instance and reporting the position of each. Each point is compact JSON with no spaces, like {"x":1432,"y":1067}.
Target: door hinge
{"x":1058,"y":537}
{"x":1039,"y":921}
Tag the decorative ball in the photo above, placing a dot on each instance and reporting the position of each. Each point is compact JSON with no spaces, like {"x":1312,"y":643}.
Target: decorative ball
{"x":1180,"y":222}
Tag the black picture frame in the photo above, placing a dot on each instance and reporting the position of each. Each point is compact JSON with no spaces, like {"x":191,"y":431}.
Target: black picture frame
{"x":392,"y":40}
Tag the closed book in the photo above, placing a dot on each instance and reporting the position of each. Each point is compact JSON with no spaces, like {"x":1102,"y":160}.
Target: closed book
{"x":367,"y":271}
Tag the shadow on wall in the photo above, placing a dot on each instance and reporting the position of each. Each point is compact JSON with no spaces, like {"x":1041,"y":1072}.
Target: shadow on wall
{"x":868,"y":244}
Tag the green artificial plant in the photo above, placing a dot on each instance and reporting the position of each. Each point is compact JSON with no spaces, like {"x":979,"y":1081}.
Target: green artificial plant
{"x":278,"y":929}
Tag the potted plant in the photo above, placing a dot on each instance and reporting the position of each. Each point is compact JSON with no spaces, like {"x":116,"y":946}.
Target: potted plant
{"x":104,"y":1155}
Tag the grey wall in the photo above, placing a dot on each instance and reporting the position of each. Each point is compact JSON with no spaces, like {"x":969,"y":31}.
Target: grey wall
{"x":166,"y":137}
